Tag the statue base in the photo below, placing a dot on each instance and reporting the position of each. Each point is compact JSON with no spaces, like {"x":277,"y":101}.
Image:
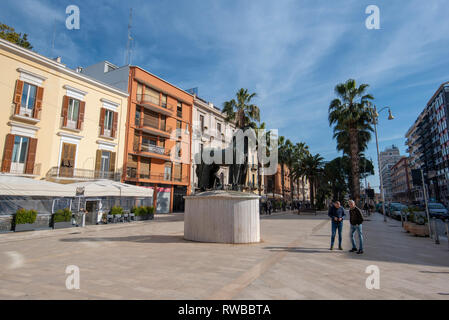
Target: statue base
{"x":222,"y":217}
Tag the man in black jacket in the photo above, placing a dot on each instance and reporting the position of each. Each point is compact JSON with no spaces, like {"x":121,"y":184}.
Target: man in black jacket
{"x":356,"y":220}
{"x":336,"y":213}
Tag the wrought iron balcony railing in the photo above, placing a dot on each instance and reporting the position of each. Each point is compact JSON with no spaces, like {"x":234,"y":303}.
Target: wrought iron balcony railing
{"x":82,"y":174}
{"x":133,"y":174}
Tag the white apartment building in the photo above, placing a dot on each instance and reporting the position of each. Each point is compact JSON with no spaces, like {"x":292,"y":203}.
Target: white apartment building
{"x":209,"y":130}
{"x":388,"y":158}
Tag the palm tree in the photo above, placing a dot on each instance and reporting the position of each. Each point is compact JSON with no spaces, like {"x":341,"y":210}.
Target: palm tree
{"x":310,"y":167}
{"x":349,"y":115}
{"x":300,"y":151}
{"x":283,"y":150}
{"x":259,"y":182}
{"x":241,"y":110}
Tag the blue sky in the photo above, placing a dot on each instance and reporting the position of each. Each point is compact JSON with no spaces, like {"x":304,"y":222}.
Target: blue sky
{"x":291,"y":53}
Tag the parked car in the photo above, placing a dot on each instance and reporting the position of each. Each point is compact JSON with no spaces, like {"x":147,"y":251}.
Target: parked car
{"x":394,"y":210}
{"x":437,"y":210}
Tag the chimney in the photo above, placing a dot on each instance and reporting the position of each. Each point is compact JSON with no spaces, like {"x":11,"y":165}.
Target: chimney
{"x":79,"y":69}
{"x":58,"y":59}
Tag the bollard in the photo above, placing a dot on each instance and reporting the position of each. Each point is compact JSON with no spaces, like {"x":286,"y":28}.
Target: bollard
{"x":402,"y":220}
{"x":435,"y":231}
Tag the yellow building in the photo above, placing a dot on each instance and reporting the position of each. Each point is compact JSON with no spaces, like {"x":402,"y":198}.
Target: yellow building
{"x":58,"y":124}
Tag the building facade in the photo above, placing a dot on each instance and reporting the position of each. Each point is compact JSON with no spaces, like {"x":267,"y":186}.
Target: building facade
{"x":273,"y":184}
{"x":158,"y":133}
{"x":210,"y":130}
{"x":389,"y":157}
{"x":59,"y":125}
{"x":401,"y":181}
{"x":428,"y":142}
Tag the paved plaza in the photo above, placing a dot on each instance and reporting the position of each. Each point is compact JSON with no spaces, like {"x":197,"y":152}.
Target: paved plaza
{"x":150,"y":260}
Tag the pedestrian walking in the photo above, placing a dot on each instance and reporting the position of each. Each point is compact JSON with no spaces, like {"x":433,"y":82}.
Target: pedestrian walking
{"x":356,"y":220}
{"x":337,"y":214}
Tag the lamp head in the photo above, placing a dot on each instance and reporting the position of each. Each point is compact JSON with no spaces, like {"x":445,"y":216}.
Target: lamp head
{"x":390,"y":115}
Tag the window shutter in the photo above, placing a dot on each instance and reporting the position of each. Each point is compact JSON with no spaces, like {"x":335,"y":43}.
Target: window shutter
{"x":114,"y":125}
{"x":81,"y":115}
{"x":98,"y":163}
{"x":112,"y":162}
{"x":18,"y":96}
{"x":7,"y":153}
{"x":65,"y":110}
{"x":38,"y":103}
{"x":29,"y":167}
{"x":102,"y":116}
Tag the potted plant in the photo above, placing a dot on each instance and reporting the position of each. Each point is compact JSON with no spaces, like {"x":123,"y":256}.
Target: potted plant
{"x":417,"y":225}
{"x":117,"y":212}
{"x":144,"y":213}
{"x":24,"y":220}
{"x":62,"y":219}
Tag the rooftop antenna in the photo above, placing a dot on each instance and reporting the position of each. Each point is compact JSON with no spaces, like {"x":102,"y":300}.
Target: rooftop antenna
{"x":130,"y":39}
{"x":53,"y":39}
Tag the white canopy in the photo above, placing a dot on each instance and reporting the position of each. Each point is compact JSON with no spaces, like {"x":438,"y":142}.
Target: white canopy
{"x":22,"y":186}
{"x":109,"y":188}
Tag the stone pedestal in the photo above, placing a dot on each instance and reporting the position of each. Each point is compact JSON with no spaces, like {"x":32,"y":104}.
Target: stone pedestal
{"x":222,"y":216}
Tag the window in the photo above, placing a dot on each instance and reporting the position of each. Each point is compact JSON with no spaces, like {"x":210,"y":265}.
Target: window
{"x":28,"y":99}
{"x":218,"y":127}
{"x":137,"y":118}
{"x":177,"y":172}
{"x":131,"y":166}
{"x":108,"y":119}
{"x":163,"y":123}
{"x":178,"y":124}
{"x":139,"y":91}
{"x":19,"y":154}
{"x":105,"y":161}
{"x":144,"y":170}
{"x":179,"y":110}
{"x":73,"y":112}
{"x":164,"y":101}
{"x":178,"y":149}
{"x":167,"y":171}
{"x":202,"y":123}
{"x":152,"y":96}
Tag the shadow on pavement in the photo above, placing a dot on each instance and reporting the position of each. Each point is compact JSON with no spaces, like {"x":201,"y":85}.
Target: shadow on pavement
{"x":301,"y":250}
{"x":139,"y":239}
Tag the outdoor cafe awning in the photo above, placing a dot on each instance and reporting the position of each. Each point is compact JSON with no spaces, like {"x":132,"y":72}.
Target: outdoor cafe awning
{"x":109,"y":188}
{"x":21,"y":186}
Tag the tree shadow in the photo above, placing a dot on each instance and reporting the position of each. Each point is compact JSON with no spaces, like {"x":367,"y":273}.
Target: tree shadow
{"x":137,"y":239}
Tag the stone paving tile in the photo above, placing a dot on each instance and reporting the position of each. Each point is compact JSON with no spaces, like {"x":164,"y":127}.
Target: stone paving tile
{"x":151,"y":260}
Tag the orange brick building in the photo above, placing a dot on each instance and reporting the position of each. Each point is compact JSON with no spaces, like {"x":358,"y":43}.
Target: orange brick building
{"x":158,"y":133}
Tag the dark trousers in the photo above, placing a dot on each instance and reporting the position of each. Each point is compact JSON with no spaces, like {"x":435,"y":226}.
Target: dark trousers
{"x":336,"y":225}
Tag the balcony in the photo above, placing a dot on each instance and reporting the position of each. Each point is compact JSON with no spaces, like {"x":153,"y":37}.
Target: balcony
{"x":154,"y":104}
{"x":162,"y":132}
{"x":151,"y":151}
{"x":24,"y":114}
{"x":18,"y":169}
{"x":76,"y":174}
{"x":131,"y":173}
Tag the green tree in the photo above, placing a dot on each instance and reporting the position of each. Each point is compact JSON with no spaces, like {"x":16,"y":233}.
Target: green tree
{"x":241,"y":110}
{"x":310,"y":167}
{"x":349,"y":115}
{"x":8,"y":33}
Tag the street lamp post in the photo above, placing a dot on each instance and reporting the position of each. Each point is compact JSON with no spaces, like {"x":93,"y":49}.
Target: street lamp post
{"x":375,"y":118}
